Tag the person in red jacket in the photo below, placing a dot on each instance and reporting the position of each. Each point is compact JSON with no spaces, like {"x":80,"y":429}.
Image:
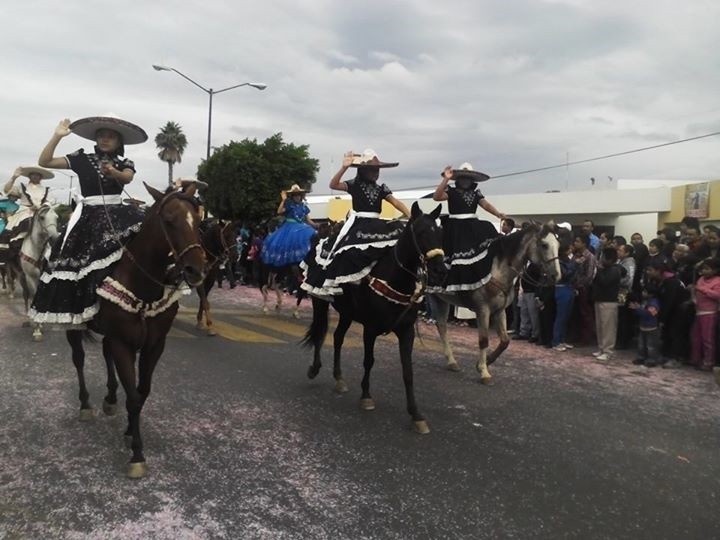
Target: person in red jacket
{"x":707,"y":302}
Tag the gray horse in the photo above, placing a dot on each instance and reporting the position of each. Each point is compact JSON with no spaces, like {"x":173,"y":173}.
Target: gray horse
{"x":28,"y":265}
{"x":537,"y":243}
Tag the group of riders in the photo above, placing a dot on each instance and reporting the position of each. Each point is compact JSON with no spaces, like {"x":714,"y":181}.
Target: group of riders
{"x":102,"y":221}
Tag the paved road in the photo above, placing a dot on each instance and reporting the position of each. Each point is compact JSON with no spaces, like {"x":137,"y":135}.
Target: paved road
{"x":241,"y":445}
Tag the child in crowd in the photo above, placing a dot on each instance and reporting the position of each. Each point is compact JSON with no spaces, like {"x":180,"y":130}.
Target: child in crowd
{"x":605,"y":290}
{"x":707,"y":301}
{"x":649,"y":338}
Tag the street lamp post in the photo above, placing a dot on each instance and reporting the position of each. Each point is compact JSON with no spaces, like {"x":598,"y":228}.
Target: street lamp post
{"x":70,"y":188}
{"x":210,"y":92}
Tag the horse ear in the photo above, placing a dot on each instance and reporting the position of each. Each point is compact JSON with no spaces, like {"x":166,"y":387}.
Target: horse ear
{"x":436,"y":213}
{"x":415,"y":212}
{"x":157,"y":195}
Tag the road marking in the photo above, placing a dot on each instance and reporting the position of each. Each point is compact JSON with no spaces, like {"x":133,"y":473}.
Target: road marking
{"x":233,"y":332}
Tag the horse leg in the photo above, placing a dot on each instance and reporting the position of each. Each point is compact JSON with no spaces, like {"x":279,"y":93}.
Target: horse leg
{"x":109,"y":405}
{"x":501,"y":328}
{"x":338,"y":340}
{"x":483,"y":322}
{"x":278,"y":292}
{"x":124,"y":358}
{"x":406,"y":339}
{"x":366,"y":401}
{"x":74,"y":338}
{"x":200,"y":324}
{"x":315,"y":335}
{"x":300,"y":293}
{"x":205,"y":306}
{"x":264,"y":291}
{"x":441,"y":318}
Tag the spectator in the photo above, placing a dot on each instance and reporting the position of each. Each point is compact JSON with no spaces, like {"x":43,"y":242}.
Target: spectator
{"x":626,"y":315}
{"x":564,"y":296}
{"x":709,"y":246}
{"x":618,"y":241}
{"x":507,"y":226}
{"x":606,"y":287}
{"x":668,"y":238}
{"x":587,"y":228}
{"x":688,"y":223}
{"x":683,"y":264}
{"x":707,"y":303}
{"x":674,"y":318}
{"x":586,"y":267}
{"x":529,"y":320}
{"x":602,"y":244}
{"x":649,"y":338}
{"x":545,"y":297}
{"x":640,"y":255}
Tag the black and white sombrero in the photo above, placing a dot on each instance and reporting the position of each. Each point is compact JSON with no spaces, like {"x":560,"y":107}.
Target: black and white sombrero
{"x":88,"y":128}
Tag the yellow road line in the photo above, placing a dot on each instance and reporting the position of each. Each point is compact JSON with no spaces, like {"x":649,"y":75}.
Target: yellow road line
{"x":233,"y":332}
{"x":177,"y":333}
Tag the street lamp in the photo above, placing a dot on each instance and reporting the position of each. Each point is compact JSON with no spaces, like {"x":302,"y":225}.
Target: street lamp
{"x":70,"y":188}
{"x":210,"y":92}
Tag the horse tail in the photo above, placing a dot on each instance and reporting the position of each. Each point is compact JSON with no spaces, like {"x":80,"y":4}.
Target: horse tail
{"x":315,"y":335}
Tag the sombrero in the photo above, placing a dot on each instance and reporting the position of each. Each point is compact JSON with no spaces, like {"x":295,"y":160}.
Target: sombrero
{"x":44,"y":173}
{"x":295,"y":190}
{"x":370,"y":159}
{"x":88,"y":128}
{"x":184,"y":183}
{"x":134,"y":202}
{"x":466,"y":171}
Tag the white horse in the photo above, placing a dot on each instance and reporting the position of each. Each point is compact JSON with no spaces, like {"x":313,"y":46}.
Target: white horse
{"x":28,"y":266}
{"x":536,"y":243}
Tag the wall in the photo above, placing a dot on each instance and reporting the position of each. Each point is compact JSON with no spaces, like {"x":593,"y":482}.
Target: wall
{"x":677,"y":207}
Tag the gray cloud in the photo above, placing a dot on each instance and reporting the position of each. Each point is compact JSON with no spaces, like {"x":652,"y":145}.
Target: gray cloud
{"x":505,"y":85}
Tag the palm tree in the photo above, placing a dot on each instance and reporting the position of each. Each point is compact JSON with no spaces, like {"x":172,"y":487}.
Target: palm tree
{"x":171,"y":142}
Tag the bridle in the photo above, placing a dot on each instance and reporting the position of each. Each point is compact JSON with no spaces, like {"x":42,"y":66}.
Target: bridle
{"x":544,"y":264}
{"x":225,"y":247}
{"x":420,"y":275}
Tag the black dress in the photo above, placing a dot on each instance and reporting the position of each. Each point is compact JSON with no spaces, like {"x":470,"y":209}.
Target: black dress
{"x":85,"y":252}
{"x":350,"y":255}
{"x":466,"y":238}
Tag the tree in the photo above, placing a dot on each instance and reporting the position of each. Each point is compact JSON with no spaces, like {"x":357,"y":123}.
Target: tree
{"x":245,"y":178}
{"x":171,"y":142}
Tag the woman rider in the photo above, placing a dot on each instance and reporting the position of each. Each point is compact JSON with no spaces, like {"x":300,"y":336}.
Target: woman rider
{"x":100,"y":225}
{"x":464,"y":233}
{"x":351,"y":255}
{"x":290,"y":243}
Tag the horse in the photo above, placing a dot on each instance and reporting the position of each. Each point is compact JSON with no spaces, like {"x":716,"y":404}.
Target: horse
{"x":386,"y":301}
{"x":218,"y":242}
{"x":138,"y":306}
{"x":27,"y":265}
{"x":536,"y":243}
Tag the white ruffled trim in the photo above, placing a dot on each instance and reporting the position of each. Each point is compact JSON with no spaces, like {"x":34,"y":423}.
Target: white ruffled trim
{"x":67,"y":275}
{"x":321,"y":293}
{"x":473,"y":260}
{"x":362,"y":247}
{"x":64,"y":318}
{"x":170,"y":296}
{"x":467,"y":286}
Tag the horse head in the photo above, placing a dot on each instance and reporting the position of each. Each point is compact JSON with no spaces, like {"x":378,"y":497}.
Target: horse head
{"x":426,"y":237}
{"x":543,"y":251}
{"x":45,"y":221}
{"x":177,"y":215}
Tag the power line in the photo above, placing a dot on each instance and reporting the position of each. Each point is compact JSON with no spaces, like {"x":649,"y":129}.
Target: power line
{"x":579,"y":161}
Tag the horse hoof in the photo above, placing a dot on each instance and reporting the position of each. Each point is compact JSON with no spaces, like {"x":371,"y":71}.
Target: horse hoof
{"x":136,"y":470}
{"x":487,"y":381}
{"x":127,"y":439}
{"x":313,"y":371}
{"x":367,"y":404}
{"x":265,"y":309}
{"x":340,"y":386}
{"x":200,"y":326}
{"x":421,"y":427}
{"x":277,"y":307}
{"x":26,"y":324}
{"x":211,"y":333}
{"x":296,"y":315}
{"x":452,"y":366}
{"x":37,"y":337}
{"x":86,"y":415}
{"x":110,"y":409}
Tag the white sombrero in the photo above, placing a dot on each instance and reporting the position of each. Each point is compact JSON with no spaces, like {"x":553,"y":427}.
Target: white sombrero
{"x":88,"y":128}
{"x":295,"y":190}
{"x":44,"y":173}
{"x":187,"y":181}
{"x":466,"y":171}
{"x":370,"y":159}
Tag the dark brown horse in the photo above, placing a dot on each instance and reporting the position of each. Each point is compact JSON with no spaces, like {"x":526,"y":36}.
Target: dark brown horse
{"x":385,"y":302}
{"x":218,"y":241}
{"x":138,"y":304}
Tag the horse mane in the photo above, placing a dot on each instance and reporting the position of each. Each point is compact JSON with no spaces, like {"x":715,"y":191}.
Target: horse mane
{"x":507,"y":246}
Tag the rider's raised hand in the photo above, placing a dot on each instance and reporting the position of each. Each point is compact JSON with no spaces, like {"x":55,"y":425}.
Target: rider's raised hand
{"x":347,"y":159}
{"x":18,"y":172}
{"x":283,"y":195}
{"x":447,"y":173}
{"x":63,"y":128}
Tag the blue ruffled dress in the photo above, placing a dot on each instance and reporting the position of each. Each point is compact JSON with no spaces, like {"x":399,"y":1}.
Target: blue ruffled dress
{"x":290,"y":243}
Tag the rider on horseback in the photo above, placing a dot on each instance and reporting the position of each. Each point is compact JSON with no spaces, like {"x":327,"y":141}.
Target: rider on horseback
{"x":351,"y":255}
{"x":29,"y":197}
{"x":101,"y":224}
{"x":290,"y":242}
{"x":465,"y":235}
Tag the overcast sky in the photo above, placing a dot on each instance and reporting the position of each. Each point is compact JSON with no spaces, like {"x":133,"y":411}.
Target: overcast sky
{"x":506,"y":84}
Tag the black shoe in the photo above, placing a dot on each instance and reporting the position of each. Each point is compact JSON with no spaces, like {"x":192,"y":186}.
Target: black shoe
{"x":532,"y":340}
{"x":650,"y":363}
{"x":639,"y":361}
{"x":520,"y":338}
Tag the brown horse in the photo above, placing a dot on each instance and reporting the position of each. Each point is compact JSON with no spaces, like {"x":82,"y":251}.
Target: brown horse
{"x":138,"y":304}
{"x":218,"y":241}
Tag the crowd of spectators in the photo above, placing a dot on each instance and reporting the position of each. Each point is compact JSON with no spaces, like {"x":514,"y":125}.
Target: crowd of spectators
{"x":661,"y":298}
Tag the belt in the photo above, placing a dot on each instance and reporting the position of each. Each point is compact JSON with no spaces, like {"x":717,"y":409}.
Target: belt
{"x":367,"y":214}
{"x":462,"y":216}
